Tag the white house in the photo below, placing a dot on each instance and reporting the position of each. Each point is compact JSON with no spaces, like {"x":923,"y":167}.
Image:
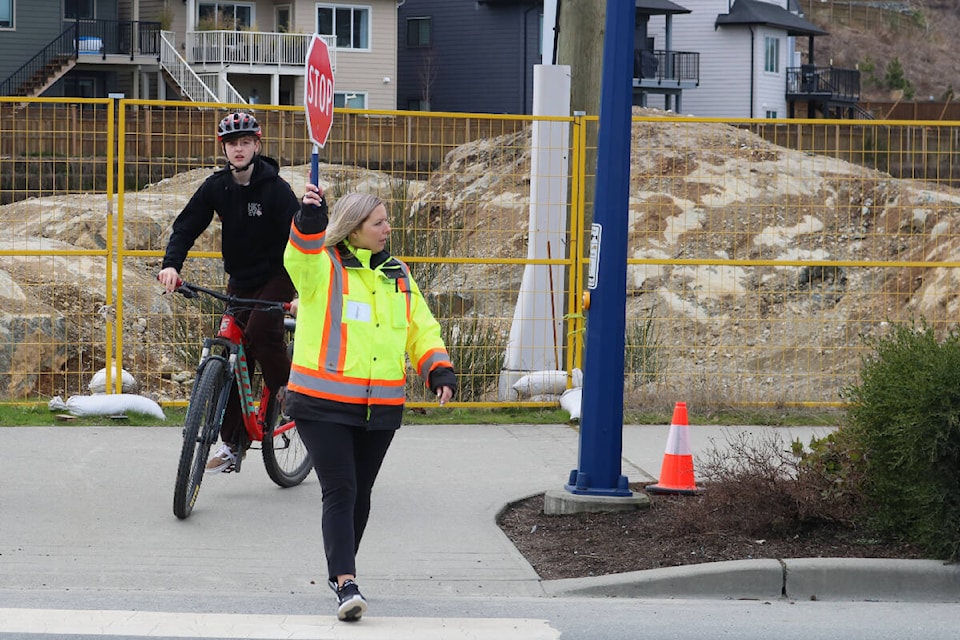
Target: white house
{"x":258,"y":47}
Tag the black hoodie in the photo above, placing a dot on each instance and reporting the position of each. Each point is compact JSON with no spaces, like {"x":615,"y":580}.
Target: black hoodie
{"x":255,"y":221}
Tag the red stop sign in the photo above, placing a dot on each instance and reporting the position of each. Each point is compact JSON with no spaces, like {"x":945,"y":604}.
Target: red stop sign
{"x":318,"y":91}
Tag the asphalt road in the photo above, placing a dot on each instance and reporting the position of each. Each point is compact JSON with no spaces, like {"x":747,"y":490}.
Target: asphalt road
{"x":89,"y":547}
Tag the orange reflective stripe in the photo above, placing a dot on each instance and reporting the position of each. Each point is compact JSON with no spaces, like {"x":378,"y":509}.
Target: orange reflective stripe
{"x":404,"y":285}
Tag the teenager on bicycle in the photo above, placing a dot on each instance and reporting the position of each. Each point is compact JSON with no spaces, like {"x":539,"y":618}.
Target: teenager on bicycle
{"x":359,"y":313}
{"x":255,"y":207}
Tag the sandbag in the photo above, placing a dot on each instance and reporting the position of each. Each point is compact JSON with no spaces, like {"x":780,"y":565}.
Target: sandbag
{"x":570,"y":401}
{"x":98,"y":384}
{"x":538,"y":383}
{"x":108,"y":405}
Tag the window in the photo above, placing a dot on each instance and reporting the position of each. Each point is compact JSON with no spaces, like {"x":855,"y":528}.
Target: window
{"x":6,"y":14}
{"x":224,"y":16}
{"x":771,"y":56}
{"x":350,"y":25}
{"x":418,"y":32}
{"x":282,"y":18}
{"x":76,"y":9}
{"x":349,"y":100}
{"x":80,"y":86}
{"x":771,"y":115}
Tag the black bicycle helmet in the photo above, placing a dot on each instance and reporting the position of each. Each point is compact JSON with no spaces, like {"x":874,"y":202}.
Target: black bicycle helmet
{"x":237,"y":124}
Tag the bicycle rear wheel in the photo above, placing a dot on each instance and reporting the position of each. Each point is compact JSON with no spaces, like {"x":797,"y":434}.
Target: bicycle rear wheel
{"x":200,"y":430}
{"x":284,"y":454}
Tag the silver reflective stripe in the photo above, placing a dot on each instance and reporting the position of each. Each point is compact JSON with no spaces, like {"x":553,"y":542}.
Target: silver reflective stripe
{"x":328,"y":388}
{"x":339,"y":390}
{"x":434,"y":359}
{"x":313,"y":243}
{"x":333,"y":341}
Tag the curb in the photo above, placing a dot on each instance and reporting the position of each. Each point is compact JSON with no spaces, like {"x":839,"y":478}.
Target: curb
{"x":836,"y":579}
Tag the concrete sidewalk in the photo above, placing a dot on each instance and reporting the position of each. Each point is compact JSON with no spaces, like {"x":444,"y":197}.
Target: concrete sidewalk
{"x":90,"y":509}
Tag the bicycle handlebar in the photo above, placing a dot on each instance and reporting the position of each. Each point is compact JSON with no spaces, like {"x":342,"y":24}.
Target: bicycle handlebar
{"x":189,"y":290}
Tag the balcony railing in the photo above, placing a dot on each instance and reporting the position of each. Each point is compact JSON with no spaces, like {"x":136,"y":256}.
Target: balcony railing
{"x":823,"y":83}
{"x":116,"y":37}
{"x":251,"y":48}
{"x":658,"y":66}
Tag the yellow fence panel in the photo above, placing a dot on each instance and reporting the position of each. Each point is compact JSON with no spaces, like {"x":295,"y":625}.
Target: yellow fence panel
{"x":760,"y":252}
{"x":56,"y":274}
{"x":756,"y":268}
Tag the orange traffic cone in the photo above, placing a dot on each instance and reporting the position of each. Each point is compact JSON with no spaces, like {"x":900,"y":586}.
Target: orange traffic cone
{"x":676,"y":473}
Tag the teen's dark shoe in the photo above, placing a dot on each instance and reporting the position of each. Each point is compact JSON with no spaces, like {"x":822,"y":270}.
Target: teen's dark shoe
{"x":352,"y":605}
{"x":332,"y":583}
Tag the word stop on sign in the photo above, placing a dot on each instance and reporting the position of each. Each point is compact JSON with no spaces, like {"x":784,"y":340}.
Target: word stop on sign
{"x":319,"y":91}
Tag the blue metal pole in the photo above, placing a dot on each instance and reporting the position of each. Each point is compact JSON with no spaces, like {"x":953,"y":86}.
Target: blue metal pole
{"x":314,"y":165}
{"x":601,"y":422}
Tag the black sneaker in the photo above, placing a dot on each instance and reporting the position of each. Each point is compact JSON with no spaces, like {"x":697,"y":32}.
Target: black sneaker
{"x":332,"y":583}
{"x":352,"y":605}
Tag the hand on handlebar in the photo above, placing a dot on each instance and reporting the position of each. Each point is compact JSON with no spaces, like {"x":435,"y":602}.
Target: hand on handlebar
{"x":170,"y":279}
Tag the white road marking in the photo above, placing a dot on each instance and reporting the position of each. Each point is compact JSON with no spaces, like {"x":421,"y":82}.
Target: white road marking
{"x":149,"y":624}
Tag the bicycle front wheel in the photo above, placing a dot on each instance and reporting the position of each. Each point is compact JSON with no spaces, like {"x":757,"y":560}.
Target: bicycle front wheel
{"x":284,"y":454}
{"x":200,"y":430}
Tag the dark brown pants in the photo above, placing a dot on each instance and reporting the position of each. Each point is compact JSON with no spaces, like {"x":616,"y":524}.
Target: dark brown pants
{"x":265,"y":345}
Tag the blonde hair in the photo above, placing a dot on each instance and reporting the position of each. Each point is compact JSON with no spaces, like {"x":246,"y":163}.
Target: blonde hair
{"x":348,"y":213}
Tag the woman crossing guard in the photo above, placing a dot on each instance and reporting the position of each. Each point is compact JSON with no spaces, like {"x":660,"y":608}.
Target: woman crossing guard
{"x":359,"y":312}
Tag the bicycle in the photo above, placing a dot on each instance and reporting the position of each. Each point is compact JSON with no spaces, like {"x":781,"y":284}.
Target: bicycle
{"x":223,"y":362}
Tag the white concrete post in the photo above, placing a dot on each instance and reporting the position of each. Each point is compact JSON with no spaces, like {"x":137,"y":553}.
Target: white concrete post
{"x":537,"y":332}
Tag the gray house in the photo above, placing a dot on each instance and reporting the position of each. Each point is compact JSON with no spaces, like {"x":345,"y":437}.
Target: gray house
{"x":473,"y":56}
{"x":84,"y":48}
{"x":478,"y":55}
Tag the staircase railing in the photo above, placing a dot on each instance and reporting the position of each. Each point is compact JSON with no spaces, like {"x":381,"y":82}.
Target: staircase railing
{"x":861,"y":113}
{"x":63,"y":47}
{"x":189,"y":82}
{"x":222,"y":87}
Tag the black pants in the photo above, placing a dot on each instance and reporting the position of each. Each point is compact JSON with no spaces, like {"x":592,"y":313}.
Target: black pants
{"x":265,"y":344}
{"x":347,"y":460}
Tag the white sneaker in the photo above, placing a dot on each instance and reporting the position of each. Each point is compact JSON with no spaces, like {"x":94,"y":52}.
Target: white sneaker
{"x":222,"y":460}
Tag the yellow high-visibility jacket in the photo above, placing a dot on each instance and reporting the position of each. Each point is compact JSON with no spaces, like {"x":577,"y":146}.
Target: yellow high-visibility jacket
{"x":358,"y":314}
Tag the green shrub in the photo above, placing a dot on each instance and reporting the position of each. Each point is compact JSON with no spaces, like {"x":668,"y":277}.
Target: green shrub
{"x":642,"y":363}
{"x":905,"y":417}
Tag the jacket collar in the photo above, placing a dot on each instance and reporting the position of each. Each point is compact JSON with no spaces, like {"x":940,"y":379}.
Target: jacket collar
{"x":352,"y":257}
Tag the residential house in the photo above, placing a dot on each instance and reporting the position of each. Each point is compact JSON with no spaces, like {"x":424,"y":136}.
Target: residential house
{"x":211,"y":50}
{"x":751,"y":66}
{"x":258,"y":48}
{"x":478,"y":55}
{"x":85,"y":48}
{"x":658,"y":69}
{"x":473,"y":56}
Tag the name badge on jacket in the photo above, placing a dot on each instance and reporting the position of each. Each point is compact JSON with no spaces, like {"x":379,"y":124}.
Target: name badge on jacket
{"x":359,"y":311}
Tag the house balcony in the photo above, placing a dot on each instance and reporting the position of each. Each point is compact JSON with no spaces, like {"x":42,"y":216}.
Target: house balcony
{"x":260,"y":51}
{"x":657,"y":68}
{"x":823,"y":84}
{"x":115,"y":41}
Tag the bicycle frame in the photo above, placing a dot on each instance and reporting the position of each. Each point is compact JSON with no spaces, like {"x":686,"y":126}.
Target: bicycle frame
{"x":223,"y":364}
{"x":228,"y":345}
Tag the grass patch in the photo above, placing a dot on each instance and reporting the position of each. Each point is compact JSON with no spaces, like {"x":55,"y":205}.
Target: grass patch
{"x":27,"y":414}
{"x":37,"y":414}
